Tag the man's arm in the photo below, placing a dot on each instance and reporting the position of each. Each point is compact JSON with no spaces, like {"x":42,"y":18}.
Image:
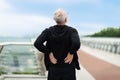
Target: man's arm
{"x":39,"y":43}
{"x":75,"y":41}
{"x":75,"y":45}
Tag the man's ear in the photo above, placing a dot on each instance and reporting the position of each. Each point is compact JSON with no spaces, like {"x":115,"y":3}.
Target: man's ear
{"x":65,"y":20}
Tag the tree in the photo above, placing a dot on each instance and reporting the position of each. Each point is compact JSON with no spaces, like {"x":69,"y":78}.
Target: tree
{"x":107,"y":32}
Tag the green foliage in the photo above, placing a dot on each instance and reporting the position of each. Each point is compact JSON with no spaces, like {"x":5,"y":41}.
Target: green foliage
{"x":2,"y":70}
{"x":108,"y":32}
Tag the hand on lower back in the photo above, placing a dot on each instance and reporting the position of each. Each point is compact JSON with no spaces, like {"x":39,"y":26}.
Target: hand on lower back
{"x":69,"y":58}
{"x":52,"y":58}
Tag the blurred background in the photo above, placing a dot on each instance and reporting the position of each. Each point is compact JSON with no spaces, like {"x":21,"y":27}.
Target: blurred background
{"x":21,"y":21}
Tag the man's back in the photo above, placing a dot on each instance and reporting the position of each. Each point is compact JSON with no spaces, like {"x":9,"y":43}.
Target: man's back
{"x":58,"y":41}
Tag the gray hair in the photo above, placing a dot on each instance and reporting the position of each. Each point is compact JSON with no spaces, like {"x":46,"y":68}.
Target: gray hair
{"x":60,"y":16}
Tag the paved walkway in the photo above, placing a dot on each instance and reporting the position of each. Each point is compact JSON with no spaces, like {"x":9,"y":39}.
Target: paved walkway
{"x":106,"y":56}
{"x":98,"y":68}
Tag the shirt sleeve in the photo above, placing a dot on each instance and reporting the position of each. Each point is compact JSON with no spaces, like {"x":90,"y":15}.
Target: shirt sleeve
{"x":75,"y":41}
{"x":39,"y":43}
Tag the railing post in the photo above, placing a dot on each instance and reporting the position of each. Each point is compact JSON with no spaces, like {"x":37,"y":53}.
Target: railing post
{"x":115,"y":47}
{"x":40,"y":60}
{"x":1,"y":47}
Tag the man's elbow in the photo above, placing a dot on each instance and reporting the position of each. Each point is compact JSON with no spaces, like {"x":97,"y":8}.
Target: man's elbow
{"x":79,"y":45}
{"x":35,"y":44}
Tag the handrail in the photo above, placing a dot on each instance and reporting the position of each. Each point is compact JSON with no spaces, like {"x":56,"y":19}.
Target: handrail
{"x":16,"y":43}
{"x":106,"y":44}
{"x":3,"y":77}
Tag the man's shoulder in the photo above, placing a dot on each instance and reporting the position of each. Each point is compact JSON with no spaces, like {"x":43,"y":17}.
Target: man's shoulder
{"x":72,"y":29}
{"x":49,"y":28}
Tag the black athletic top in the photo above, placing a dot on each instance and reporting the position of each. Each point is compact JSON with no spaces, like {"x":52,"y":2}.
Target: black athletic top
{"x":60,"y":40}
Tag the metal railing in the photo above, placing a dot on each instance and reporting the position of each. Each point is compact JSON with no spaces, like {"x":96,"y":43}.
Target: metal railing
{"x":39,"y":55}
{"x":22,"y":77}
{"x":111,"y":45}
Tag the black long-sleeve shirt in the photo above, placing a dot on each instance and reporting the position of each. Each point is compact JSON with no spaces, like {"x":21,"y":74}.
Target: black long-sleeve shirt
{"x":60,"y":40}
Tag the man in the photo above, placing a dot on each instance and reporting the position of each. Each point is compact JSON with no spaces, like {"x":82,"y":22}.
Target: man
{"x":62,"y":44}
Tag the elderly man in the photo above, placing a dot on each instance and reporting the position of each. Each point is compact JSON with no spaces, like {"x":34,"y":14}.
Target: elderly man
{"x":62,"y":43}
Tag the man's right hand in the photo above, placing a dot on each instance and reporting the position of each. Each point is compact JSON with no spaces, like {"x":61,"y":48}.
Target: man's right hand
{"x":69,"y":58}
{"x":52,"y":58}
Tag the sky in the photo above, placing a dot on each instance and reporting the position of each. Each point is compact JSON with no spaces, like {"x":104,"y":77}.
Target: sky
{"x":29,"y":17}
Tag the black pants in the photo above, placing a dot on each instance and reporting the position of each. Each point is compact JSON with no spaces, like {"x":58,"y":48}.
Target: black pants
{"x":61,"y":73}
